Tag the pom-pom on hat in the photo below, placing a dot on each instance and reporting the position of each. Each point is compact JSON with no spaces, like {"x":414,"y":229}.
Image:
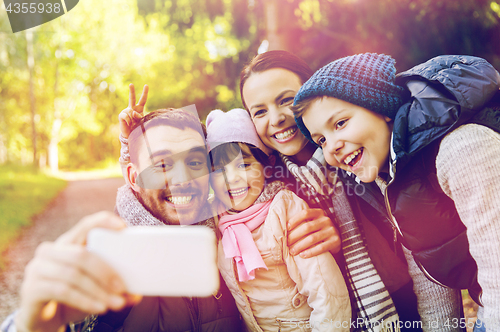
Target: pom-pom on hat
{"x":366,"y":80}
{"x":234,"y":126}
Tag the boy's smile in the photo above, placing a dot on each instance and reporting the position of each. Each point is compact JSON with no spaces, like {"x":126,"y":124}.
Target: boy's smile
{"x":352,"y":137}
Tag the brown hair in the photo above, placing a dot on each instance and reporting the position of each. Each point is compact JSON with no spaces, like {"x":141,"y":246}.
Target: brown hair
{"x":302,"y":106}
{"x":172,"y":117}
{"x":275,"y":59}
{"x":225,"y":153}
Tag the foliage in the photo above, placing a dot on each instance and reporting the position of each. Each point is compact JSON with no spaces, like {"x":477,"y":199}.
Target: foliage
{"x":24,"y":192}
{"x":191,"y":52}
{"x":412,"y":31}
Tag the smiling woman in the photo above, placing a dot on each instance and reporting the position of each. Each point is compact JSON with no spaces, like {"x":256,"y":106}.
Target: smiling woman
{"x":268,"y":85}
{"x":270,"y":94}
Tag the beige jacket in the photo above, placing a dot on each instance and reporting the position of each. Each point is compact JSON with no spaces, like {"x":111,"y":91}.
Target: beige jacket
{"x":468,"y":170}
{"x":293,"y":294}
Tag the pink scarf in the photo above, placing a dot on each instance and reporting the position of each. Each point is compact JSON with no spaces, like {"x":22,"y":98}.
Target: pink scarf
{"x":237,"y":239}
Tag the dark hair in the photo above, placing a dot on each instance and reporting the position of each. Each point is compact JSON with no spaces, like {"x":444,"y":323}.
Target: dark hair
{"x":172,"y":117}
{"x":225,"y":153}
{"x":303,"y":105}
{"x":275,"y":59}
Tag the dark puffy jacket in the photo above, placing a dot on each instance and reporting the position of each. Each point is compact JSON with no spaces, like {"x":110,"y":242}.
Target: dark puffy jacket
{"x":447,"y":92}
{"x":176,"y":314}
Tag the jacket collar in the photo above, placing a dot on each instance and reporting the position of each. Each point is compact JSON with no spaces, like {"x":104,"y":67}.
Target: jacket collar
{"x":446,"y":92}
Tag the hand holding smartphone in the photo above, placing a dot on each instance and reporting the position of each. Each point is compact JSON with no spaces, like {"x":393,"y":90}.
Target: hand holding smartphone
{"x":161,"y":261}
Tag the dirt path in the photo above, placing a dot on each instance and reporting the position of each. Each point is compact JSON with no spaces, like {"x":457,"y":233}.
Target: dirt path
{"x":79,"y":199}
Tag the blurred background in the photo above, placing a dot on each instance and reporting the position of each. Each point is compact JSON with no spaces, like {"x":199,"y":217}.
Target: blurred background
{"x":62,"y":84}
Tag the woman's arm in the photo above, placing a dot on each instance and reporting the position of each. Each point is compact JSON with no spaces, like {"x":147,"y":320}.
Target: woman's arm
{"x":468,"y":169}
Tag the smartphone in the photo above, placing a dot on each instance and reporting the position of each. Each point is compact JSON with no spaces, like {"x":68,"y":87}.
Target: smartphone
{"x":161,"y":261}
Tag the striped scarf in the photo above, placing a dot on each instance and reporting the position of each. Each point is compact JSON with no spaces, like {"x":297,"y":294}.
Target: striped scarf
{"x":375,"y":310}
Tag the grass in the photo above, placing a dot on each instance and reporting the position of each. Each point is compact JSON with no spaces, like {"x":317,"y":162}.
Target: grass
{"x":470,"y":309}
{"x":24,"y":192}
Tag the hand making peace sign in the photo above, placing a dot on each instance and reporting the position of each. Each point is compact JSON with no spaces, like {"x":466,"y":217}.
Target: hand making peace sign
{"x":134,"y":112}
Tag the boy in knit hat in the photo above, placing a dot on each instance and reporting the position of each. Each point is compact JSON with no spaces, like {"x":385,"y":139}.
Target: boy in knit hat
{"x":429,"y":138}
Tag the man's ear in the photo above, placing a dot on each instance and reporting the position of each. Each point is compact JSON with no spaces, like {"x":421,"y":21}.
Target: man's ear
{"x":131,"y":177}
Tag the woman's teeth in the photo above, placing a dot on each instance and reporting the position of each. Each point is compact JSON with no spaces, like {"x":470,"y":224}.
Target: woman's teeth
{"x":350,"y":157}
{"x":179,"y":200}
{"x":285,"y":134}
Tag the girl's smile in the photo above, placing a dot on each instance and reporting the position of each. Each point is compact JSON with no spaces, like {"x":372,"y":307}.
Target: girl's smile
{"x":238,"y":183}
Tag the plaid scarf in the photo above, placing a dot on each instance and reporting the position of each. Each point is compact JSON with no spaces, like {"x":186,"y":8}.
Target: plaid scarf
{"x":373,"y":303}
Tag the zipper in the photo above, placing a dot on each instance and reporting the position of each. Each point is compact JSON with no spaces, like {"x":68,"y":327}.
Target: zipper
{"x":396,"y":230}
{"x":428,"y":275}
{"x":392,"y":220}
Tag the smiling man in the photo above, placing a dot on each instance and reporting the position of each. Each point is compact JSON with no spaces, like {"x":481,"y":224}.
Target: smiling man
{"x":167,"y":184}
{"x":168,"y":172}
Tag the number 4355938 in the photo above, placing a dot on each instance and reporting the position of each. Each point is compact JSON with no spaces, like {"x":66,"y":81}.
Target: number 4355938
{"x":33,"y":8}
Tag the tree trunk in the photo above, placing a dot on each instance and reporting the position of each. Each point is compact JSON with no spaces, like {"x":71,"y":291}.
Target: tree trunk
{"x":54,"y":146}
{"x":31,"y":66}
{"x":56,"y":126}
{"x":271,"y":12}
{"x":280,"y":23}
{"x":4,"y":134}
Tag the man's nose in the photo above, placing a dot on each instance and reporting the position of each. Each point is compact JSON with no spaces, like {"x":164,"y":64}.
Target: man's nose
{"x":179,"y":174}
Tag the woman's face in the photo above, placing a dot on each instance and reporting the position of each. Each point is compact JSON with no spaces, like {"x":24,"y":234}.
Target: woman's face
{"x":268,"y":96}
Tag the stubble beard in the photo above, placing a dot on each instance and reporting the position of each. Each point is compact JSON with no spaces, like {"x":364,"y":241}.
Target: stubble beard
{"x":153,"y":202}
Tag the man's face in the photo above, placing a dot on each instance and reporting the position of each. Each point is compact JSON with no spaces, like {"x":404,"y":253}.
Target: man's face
{"x":173,"y":180}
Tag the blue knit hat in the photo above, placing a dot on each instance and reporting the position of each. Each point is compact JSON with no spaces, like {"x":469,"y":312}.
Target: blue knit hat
{"x":366,"y":80}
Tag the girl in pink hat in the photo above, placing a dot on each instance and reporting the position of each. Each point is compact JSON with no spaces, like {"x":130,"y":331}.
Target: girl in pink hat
{"x":273,"y":289}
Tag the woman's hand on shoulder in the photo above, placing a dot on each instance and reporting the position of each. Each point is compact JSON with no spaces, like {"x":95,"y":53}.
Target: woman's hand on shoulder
{"x":134,"y":112}
{"x":311,"y":233}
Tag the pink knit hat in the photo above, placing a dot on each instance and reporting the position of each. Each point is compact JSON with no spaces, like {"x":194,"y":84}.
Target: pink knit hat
{"x":234,"y":126}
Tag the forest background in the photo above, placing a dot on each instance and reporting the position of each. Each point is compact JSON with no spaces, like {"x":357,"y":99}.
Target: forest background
{"x":62,"y":84}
